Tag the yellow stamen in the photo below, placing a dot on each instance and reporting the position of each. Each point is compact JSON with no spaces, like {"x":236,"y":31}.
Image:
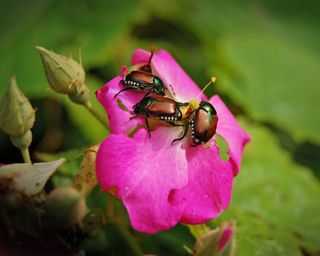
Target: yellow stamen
{"x":212,"y":80}
{"x":194,"y":103}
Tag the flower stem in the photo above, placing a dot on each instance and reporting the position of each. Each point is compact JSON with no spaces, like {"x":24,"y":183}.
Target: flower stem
{"x":26,"y":155}
{"x":127,"y":238}
{"x":110,"y":206}
{"x":103,"y":121}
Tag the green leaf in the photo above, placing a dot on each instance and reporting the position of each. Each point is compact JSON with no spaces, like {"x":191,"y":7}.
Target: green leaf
{"x":66,"y":172}
{"x":266,"y":61}
{"x":264,"y":54}
{"x":275,"y":202}
{"x":64,"y":26}
{"x":276,"y":82}
{"x":72,"y":162}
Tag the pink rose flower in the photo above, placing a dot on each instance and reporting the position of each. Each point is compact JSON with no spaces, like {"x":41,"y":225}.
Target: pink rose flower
{"x":159,"y":183}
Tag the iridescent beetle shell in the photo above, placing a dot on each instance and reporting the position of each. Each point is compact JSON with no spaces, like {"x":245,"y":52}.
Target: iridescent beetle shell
{"x":203,"y":124}
{"x":160,"y":108}
{"x":143,"y":80}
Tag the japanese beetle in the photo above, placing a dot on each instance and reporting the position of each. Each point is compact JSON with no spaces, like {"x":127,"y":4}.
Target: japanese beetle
{"x":143,"y":80}
{"x":160,"y":108}
{"x":203,"y":124}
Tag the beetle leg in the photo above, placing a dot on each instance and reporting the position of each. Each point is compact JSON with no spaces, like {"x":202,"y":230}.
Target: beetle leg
{"x":183,"y":135}
{"x":146,"y":94}
{"x":174,"y":94}
{"x":174,"y":124}
{"x":148,"y":127}
{"x":124,"y":89}
{"x":135,"y":116}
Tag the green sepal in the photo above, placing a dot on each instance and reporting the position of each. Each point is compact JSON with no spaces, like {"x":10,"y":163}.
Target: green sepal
{"x":22,"y":141}
{"x":80,"y":97}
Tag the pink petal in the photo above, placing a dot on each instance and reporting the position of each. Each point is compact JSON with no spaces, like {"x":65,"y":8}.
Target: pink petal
{"x":208,"y":192}
{"x":145,"y":173}
{"x":119,"y":119}
{"x":229,"y":128}
{"x":225,"y":238}
{"x":140,"y":56}
{"x":165,"y":66}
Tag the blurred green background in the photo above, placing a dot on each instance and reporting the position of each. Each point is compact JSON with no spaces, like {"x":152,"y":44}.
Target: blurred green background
{"x":266,"y":57}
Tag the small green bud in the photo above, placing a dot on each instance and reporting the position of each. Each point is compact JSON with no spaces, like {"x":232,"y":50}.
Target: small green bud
{"x":64,"y":208}
{"x":64,"y":74}
{"x":16,"y":113}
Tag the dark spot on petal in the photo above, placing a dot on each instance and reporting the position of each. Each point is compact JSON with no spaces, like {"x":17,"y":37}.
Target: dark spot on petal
{"x":172,"y":198}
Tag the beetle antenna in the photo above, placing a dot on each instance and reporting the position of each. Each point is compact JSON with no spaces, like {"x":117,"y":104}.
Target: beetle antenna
{"x":153,"y":49}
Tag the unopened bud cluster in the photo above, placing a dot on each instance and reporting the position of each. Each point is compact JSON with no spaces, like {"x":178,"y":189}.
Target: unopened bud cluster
{"x":64,"y":75}
{"x":16,"y":115}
